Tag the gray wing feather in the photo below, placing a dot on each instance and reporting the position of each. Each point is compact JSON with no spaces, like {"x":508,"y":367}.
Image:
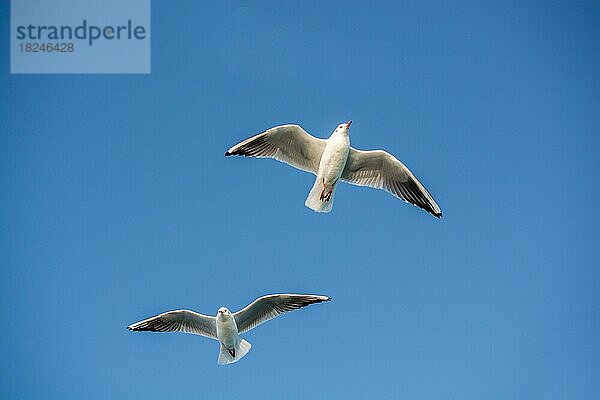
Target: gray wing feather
{"x":287,"y":143}
{"x":380,"y":170}
{"x":268,"y":307}
{"x":179,"y":321}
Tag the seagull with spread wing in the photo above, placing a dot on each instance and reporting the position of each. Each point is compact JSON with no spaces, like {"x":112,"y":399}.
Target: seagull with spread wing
{"x":333,"y":160}
{"x":227,"y":327}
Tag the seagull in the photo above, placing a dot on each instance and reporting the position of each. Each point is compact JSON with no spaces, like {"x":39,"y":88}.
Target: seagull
{"x":226,"y":327}
{"x":333,"y":160}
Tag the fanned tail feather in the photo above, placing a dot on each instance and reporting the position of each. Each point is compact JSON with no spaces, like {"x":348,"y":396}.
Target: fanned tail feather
{"x":318,"y":200}
{"x":241,"y":349}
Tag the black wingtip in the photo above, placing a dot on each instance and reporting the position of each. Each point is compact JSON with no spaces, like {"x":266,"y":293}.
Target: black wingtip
{"x":438,"y":215}
{"x":227,"y":153}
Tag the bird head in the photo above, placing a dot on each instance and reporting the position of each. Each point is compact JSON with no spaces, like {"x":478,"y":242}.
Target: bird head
{"x":344,"y":128}
{"x":223,"y":311}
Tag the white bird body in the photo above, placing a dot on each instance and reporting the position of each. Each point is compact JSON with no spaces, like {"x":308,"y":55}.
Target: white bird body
{"x":333,"y":160}
{"x":227,"y":331}
{"x":232,"y":347}
{"x":226,"y":327}
{"x":334,"y":156}
{"x":331,"y":165}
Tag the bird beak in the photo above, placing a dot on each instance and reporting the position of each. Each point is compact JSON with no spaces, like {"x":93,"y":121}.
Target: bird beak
{"x":348,"y":124}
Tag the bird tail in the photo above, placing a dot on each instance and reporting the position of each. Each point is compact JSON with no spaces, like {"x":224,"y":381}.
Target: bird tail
{"x":241,"y":349}
{"x":320,"y":198}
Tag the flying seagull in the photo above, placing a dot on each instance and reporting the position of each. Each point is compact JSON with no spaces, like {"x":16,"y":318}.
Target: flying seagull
{"x":333,"y":160}
{"x":227,"y":327}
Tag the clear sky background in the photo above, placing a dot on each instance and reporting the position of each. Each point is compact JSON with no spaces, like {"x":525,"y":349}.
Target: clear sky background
{"x":117,"y":203}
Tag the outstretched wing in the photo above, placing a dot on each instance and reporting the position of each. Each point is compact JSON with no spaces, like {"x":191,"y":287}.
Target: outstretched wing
{"x":178,"y":321}
{"x":381,"y":170}
{"x":287,"y":143}
{"x":268,"y":307}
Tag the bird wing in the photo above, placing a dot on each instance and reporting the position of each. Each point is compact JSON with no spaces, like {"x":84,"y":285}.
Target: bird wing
{"x":270,"y":306}
{"x":287,"y":143}
{"x":381,"y":170}
{"x":179,"y":321}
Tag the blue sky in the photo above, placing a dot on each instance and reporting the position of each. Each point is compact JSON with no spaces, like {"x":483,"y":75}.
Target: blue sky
{"x":117,"y":204}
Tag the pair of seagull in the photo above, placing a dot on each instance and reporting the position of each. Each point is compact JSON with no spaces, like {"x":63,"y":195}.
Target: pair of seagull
{"x":332,"y":161}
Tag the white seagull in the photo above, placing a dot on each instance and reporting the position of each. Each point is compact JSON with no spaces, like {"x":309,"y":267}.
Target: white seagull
{"x":227,"y":327}
{"x":333,"y":160}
